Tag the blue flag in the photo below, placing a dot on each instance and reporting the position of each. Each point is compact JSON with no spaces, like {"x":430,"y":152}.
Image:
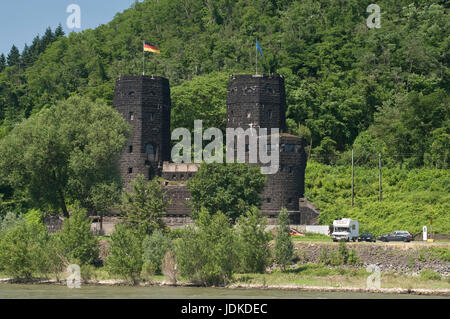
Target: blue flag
{"x":258,"y":47}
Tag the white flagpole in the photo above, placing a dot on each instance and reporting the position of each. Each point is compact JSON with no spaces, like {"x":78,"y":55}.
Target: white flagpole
{"x":143,"y":57}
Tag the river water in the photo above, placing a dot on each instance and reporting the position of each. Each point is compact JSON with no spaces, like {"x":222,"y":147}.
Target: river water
{"x":12,"y":291}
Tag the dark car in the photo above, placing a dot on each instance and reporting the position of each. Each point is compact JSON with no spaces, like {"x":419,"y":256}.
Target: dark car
{"x":367,"y":237}
{"x":398,"y":235}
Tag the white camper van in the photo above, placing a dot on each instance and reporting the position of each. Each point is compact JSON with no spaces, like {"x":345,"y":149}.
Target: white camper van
{"x":345,"y":229}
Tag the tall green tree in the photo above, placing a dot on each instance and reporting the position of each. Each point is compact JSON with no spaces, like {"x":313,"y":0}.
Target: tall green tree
{"x":23,"y":250}
{"x":144,"y":205}
{"x":202,"y":98}
{"x":125,"y":253}
{"x":62,"y":153}
{"x":206,"y":254}
{"x":230,"y":188}
{"x":253,"y":242}
{"x":78,"y":243}
{"x":13,"y":56}
{"x":2,"y":62}
{"x":284,"y":249}
{"x":47,"y":38}
{"x":59,"y":32}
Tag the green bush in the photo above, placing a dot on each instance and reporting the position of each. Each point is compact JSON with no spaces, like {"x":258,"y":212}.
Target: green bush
{"x":78,"y":243}
{"x":339,"y":256}
{"x":57,"y":261}
{"x":125,"y":253}
{"x":148,"y":270}
{"x":87,"y":272}
{"x":353,"y":258}
{"x":284,"y":248}
{"x":34,"y":216}
{"x":144,"y":206}
{"x":343,"y":252}
{"x":155,"y":247}
{"x":336,"y":259}
{"x":23,"y":251}
{"x":206,"y":253}
{"x":430,"y":275}
{"x":440,"y":253}
{"x":10,"y":220}
{"x":324,"y":257}
{"x":253,"y":242}
{"x":176,"y":233}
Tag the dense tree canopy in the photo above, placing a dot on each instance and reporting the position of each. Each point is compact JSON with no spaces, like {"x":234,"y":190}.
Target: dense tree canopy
{"x":64,"y":153}
{"x":232,"y":189}
{"x":340,"y":75}
{"x":144,"y":205}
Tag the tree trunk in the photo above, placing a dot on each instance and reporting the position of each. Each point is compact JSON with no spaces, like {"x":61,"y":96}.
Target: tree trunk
{"x":63,"y":204}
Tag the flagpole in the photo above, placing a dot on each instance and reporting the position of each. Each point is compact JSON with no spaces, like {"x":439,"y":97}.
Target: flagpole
{"x":143,"y":57}
{"x":256,"y":51}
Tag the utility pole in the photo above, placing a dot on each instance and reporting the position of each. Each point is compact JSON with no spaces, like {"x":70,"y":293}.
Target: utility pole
{"x":379,"y":180}
{"x":353,"y":182}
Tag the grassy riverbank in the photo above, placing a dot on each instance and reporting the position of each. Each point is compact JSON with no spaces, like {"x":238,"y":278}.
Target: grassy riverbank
{"x":301,"y":277}
{"x":321,"y":276}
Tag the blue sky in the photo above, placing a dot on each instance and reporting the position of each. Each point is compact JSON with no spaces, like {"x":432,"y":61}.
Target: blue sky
{"x":22,"y":20}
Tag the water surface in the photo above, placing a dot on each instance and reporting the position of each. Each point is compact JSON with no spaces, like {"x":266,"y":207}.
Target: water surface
{"x":13,"y":291}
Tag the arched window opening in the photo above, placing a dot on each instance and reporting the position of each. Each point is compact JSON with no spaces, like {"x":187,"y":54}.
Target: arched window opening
{"x":150,"y":149}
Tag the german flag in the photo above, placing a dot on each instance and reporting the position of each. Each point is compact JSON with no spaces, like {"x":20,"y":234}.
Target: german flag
{"x":151,"y":48}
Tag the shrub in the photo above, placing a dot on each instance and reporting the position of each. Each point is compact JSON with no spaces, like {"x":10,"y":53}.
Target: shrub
{"x":429,"y":274}
{"x":176,"y":233}
{"x":148,"y":270}
{"x":22,"y":251}
{"x":57,"y":261}
{"x":144,"y":206}
{"x":324,"y":258}
{"x":78,"y":243}
{"x":284,"y":249}
{"x":343,"y":252}
{"x":336,"y":258}
{"x":34,"y":216}
{"x":87,"y":272}
{"x":10,"y":220}
{"x":253,"y":242}
{"x":155,"y":247}
{"x":232,"y":188}
{"x":353,"y":258}
{"x":440,"y":253}
{"x":206,"y":253}
{"x":125,"y":253}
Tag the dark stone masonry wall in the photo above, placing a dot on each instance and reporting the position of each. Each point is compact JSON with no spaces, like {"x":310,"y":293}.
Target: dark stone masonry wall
{"x":257,"y":101}
{"x":144,"y":101}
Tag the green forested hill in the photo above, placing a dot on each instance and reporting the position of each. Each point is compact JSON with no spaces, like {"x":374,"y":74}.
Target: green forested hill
{"x":410,"y":197}
{"x":380,"y":90}
{"x":342,"y":78}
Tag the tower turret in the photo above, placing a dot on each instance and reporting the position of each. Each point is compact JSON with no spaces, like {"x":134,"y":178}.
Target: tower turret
{"x":145,"y":102}
{"x":258,"y":101}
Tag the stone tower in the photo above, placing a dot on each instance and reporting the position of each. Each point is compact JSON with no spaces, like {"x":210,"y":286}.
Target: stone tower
{"x":144,"y":101}
{"x":256,"y":100}
{"x":259,"y":101}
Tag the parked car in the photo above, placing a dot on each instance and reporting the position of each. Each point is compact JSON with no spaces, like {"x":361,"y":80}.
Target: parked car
{"x":295,"y":233}
{"x":367,"y":237}
{"x":398,"y":235}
